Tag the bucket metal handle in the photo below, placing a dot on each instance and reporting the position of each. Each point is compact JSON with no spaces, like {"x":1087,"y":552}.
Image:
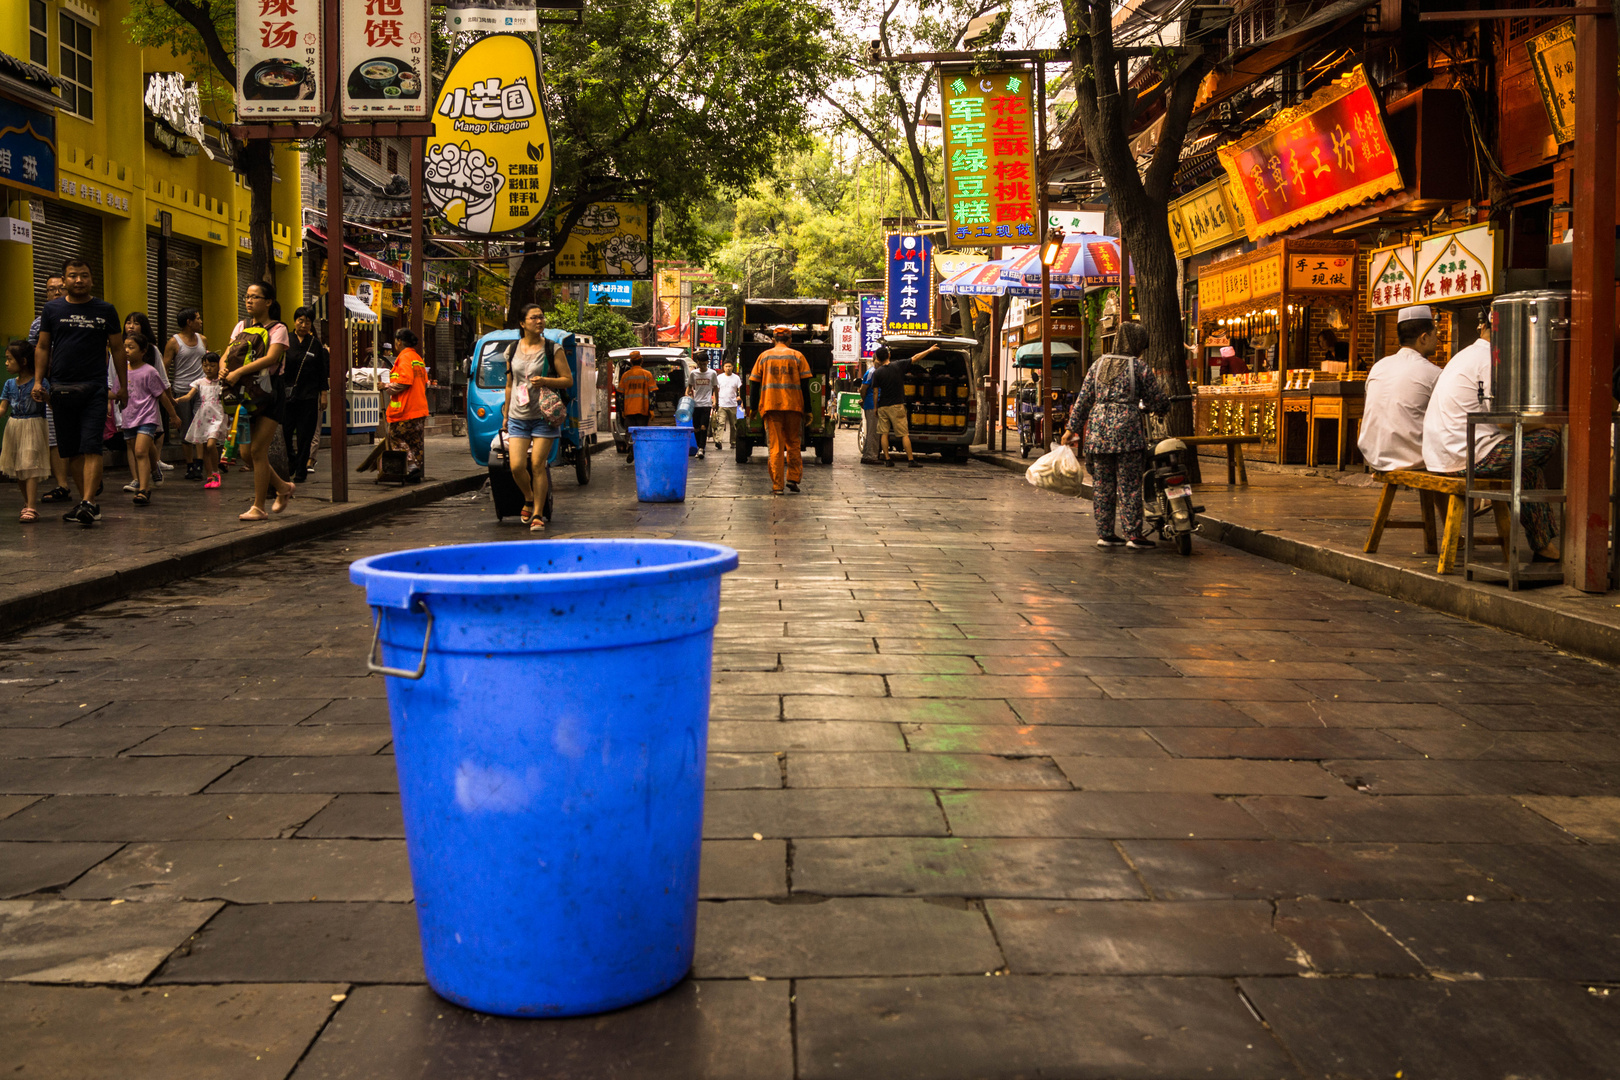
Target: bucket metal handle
{"x":375,"y":655}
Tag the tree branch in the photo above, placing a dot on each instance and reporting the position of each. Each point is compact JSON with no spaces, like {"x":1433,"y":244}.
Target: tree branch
{"x":202,"y":21}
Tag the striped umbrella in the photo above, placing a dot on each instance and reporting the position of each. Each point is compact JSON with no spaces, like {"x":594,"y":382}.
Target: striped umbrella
{"x":1084,"y":259}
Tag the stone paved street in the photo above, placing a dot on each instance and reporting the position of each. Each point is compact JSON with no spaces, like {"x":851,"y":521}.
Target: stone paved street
{"x":984,"y":801}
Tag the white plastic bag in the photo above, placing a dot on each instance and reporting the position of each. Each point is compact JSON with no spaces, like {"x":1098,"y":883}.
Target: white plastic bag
{"x":497,"y":448}
{"x":1058,"y":471}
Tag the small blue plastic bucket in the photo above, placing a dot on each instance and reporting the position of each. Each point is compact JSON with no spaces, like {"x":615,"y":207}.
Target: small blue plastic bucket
{"x":661,"y":463}
{"x":550,"y":706}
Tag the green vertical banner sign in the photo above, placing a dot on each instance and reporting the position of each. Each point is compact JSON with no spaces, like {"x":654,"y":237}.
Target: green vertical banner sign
{"x":991,"y":197}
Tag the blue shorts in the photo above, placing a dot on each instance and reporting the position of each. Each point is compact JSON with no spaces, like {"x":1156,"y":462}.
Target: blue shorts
{"x":519,"y":428}
{"x":151,"y":430}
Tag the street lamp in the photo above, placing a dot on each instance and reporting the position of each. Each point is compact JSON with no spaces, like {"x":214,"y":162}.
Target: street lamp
{"x":1053,"y":245}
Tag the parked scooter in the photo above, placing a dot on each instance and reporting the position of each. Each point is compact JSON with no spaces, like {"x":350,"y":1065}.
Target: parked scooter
{"x":1167,"y":495}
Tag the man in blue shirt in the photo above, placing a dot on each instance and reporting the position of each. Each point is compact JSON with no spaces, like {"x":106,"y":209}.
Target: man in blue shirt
{"x":869,"y":450}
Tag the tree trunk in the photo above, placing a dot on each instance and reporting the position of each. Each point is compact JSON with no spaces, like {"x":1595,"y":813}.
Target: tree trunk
{"x":1158,"y":306}
{"x":259,"y":171}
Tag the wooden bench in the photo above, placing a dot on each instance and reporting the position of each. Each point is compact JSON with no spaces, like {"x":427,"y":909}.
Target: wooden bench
{"x":1430,"y":489}
{"x":1236,"y":471}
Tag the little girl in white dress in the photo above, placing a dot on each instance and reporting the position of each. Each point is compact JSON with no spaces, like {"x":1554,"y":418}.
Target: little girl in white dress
{"x":209,"y":424}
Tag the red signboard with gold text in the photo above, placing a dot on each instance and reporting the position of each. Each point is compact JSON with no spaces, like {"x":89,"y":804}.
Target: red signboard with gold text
{"x":1322,"y":156}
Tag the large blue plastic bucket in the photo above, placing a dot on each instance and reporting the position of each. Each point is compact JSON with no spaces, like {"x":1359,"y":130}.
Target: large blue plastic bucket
{"x":661,"y":463}
{"x":550,"y":706}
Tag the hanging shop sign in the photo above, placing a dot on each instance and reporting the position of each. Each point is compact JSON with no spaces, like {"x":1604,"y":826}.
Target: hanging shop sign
{"x":1457,"y":266}
{"x":385,"y":58}
{"x":951,"y":263}
{"x":1204,"y":219}
{"x":910,"y":276}
{"x":871,"y":324}
{"x":278,"y":58}
{"x":709,"y":328}
{"x":1266,"y":278}
{"x":1390,"y":278}
{"x":612,"y":240}
{"x":489,"y":161}
{"x":1211,"y":289}
{"x":612,"y":293}
{"x":1552,"y":58}
{"x":1073,"y":221}
{"x":174,"y":114}
{"x":668,"y":312}
{"x":846,"y":339}
{"x":990,"y":185}
{"x":1325,"y":155}
{"x":1321,"y":273}
{"x":1235,"y":287}
{"x":490,"y":16}
{"x":27,"y":147}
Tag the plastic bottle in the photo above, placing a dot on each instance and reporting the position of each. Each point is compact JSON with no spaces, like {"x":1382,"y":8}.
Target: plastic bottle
{"x":683,"y":412}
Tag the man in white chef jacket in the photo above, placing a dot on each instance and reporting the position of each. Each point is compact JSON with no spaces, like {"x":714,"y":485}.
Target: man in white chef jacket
{"x":1398,"y":389}
{"x":1464,"y":387}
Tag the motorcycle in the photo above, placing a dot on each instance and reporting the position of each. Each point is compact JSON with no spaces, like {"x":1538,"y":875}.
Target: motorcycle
{"x":1167,"y":495}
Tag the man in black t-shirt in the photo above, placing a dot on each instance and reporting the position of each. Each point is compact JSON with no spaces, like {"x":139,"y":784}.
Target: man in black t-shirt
{"x":76,"y":332}
{"x":889,"y":384}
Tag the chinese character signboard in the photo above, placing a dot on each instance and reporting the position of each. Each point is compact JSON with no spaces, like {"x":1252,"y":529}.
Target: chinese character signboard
{"x":278,"y":58}
{"x":1265,"y":278}
{"x":1211,"y":291}
{"x":1321,"y":273}
{"x":1456,"y":266}
{"x":1552,"y":58}
{"x":1203,"y":219}
{"x":709,"y":328}
{"x":611,"y":240}
{"x":1390,"y":278}
{"x":911,"y":285}
{"x":1313,"y":160}
{"x":871,"y":323}
{"x":1235,"y":285}
{"x":27,"y":148}
{"x":490,"y":16}
{"x":385,"y":58}
{"x":613,"y":293}
{"x":489,"y":161}
{"x":990,"y":186}
{"x":846,"y":339}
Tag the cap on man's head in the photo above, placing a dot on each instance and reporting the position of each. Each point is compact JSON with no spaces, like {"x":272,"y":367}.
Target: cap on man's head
{"x":635,"y":354}
{"x":1227,"y":352}
{"x":1416,"y":311}
{"x":782,"y":333}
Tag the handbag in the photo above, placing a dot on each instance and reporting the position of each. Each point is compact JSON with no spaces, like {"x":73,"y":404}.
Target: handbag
{"x":549,"y":404}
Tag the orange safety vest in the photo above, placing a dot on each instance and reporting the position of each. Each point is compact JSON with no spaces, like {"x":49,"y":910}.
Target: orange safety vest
{"x":779,"y":373}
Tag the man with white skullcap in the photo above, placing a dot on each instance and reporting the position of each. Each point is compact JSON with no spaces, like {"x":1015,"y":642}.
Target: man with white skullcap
{"x":1398,"y":390}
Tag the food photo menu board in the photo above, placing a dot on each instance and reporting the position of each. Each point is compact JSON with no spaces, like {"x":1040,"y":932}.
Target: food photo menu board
{"x":278,"y":58}
{"x":385,"y":58}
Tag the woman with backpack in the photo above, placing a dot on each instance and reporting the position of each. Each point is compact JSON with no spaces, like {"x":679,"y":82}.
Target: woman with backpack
{"x":261,"y":341}
{"x":537,"y":374}
{"x":1108,"y":411}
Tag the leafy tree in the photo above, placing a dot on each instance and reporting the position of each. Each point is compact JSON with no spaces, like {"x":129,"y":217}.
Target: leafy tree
{"x":603,"y":323}
{"x":643,"y":97}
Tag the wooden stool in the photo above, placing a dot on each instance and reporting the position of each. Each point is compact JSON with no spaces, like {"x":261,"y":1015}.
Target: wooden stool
{"x":1430,"y":489}
{"x":1340,"y":411}
{"x":1237,"y":471}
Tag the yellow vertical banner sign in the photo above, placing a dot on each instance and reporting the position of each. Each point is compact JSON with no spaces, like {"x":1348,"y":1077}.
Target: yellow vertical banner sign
{"x":488,"y":169}
{"x":1552,"y":58}
{"x":991,"y":197}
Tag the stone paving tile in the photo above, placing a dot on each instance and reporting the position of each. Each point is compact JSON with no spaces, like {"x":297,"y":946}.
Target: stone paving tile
{"x":252,"y":872}
{"x":348,"y":711}
{"x":112,"y":776}
{"x":1232,"y":937}
{"x":268,"y":741}
{"x":1403,"y":818}
{"x":1187,"y":689}
{"x":82,"y":941}
{"x":917,"y":866}
{"x":1076,"y":1028}
{"x":1478,"y":777}
{"x":697,"y":1031}
{"x":1029,"y":740}
{"x":30,"y":868}
{"x":162,"y":817}
{"x":357,"y":817}
{"x":969,"y":687}
{"x":1478,"y":744}
{"x":1508,"y":940}
{"x":311,"y":774}
{"x":962,"y":647}
{"x":1593,"y":818}
{"x":836,"y":770}
{"x":1547,"y":871}
{"x":40,"y":714}
{"x":750,"y":707}
{"x":1266,"y":669}
{"x":179,"y":1033}
{"x":806,"y":683}
{"x":1308,"y":744}
{"x":273,"y":687}
{"x":808,"y":812}
{"x":12,"y":804}
{"x":1102,"y":814}
{"x":1533,"y":717}
{"x":1268,"y":869}
{"x":913,"y":710}
{"x":72,"y":742}
{"x":849,"y":735}
{"x":128,"y":713}
{"x":1440,"y":1030}
{"x":1351,"y":714}
{"x":1041,"y":668}
{"x":1110,"y":713}
{"x":1217,"y":776}
{"x":842,"y":937}
{"x":879,"y":663}
{"x":743,"y":869}
{"x":1339,"y":939}
{"x":301,"y":943}
{"x":729,"y":772}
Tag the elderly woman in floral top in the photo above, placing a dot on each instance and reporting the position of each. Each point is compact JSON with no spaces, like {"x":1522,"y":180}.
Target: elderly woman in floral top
{"x":1107,"y":410}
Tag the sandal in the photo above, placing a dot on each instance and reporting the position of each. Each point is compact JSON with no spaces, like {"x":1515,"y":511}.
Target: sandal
{"x":29,"y":514}
{"x":60,"y":494}
{"x":284,"y":498}
{"x":537,"y":525}
{"x":526,"y":515}
{"x":253,"y":513}
{"x":143,"y":497}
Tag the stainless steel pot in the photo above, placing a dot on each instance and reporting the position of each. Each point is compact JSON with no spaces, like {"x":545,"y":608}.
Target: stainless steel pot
{"x":1530,"y":351}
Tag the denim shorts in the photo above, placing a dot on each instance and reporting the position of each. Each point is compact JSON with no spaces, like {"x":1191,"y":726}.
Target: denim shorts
{"x":519,"y":428}
{"x":152,"y":430}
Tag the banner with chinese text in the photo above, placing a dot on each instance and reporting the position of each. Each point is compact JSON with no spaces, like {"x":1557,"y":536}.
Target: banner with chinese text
{"x":385,"y":58}
{"x":911,"y":285}
{"x":1321,"y":273}
{"x":1456,"y":266}
{"x":871,"y":323}
{"x":489,"y":161}
{"x":1203,"y":219}
{"x":1390,"y":278}
{"x":1325,"y":155}
{"x":490,"y":16}
{"x":1552,"y":58}
{"x":27,"y":147}
{"x":709,"y":328}
{"x":846,"y":339}
{"x":991,"y":193}
{"x":278,"y":58}
{"x":612,"y":293}
{"x":611,"y":241}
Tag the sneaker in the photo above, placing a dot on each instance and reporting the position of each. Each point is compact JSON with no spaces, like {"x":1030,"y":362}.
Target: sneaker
{"x":913,"y":463}
{"x":194,"y":470}
{"x":73,"y":514}
{"x":86,"y":514}
{"x":164,"y":466}
{"x":793,"y":486}
{"x":132,"y":486}
{"x":700,"y":455}
{"x":157,"y":475}
{"x":1140,"y":543}
{"x":213,"y":481}
{"x":95,"y":510}
{"x":889,"y":461}
{"x":1110,"y":542}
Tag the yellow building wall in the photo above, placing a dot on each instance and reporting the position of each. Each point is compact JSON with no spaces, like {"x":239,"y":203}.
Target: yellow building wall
{"x":107,"y":166}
